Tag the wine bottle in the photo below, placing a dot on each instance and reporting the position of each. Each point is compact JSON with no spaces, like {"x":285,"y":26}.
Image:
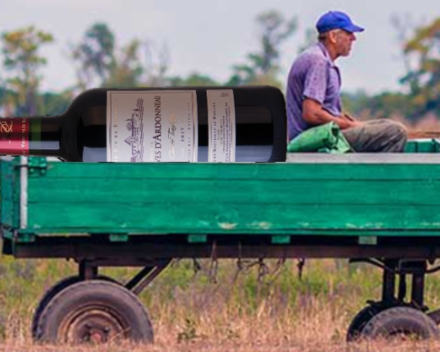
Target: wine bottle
{"x":215,"y":124}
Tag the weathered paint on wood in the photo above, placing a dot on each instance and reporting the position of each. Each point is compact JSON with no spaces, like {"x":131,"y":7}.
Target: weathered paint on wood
{"x":354,"y":199}
{"x":420,"y":142}
{"x":10,"y":202}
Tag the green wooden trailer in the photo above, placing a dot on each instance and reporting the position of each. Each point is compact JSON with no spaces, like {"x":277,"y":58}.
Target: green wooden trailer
{"x":379,"y":208}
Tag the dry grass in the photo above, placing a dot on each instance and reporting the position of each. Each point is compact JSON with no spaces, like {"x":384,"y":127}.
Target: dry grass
{"x":215,"y":347}
{"x":238,"y":314}
{"x":317,"y":328}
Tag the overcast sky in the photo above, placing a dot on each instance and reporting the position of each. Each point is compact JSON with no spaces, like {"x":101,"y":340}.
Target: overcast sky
{"x":209,"y":36}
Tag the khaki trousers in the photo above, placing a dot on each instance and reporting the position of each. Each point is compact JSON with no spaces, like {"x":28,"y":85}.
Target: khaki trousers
{"x":377,"y":136}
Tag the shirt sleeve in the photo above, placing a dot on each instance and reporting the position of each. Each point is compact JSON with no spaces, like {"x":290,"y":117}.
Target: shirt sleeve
{"x":315,"y":84}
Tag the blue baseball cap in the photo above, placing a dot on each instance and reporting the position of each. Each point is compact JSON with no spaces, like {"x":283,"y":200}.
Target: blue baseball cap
{"x":336,"y":20}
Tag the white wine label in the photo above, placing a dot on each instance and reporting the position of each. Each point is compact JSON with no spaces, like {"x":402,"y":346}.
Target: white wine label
{"x":221,"y":125}
{"x":152,"y":126}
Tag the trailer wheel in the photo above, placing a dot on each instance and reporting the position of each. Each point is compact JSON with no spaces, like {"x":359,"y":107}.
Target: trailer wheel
{"x":94,"y":311}
{"x":361,"y":319}
{"x":401,"y":322}
{"x":52,"y":292}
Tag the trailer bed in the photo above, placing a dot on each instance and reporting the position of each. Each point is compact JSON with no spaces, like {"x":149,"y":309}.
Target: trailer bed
{"x":316,"y":200}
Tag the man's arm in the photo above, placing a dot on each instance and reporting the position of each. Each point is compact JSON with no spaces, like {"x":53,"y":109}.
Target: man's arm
{"x":314,"y":114}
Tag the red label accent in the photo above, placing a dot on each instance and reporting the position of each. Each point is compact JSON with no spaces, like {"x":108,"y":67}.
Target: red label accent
{"x":14,"y":136}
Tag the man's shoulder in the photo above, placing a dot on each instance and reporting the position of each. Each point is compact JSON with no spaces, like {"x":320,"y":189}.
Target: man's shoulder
{"x":308,"y":59}
{"x":310,"y":56}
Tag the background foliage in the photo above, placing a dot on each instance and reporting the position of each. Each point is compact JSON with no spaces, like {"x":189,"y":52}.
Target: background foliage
{"x":100,"y":60}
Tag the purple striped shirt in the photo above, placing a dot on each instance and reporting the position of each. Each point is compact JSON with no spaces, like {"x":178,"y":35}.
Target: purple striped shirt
{"x":315,"y":76}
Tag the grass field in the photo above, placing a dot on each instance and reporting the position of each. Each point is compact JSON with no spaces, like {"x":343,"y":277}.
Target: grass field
{"x":254,"y":308}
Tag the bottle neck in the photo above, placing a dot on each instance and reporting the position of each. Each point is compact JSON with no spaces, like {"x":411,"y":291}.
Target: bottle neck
{"x":39,"y":136}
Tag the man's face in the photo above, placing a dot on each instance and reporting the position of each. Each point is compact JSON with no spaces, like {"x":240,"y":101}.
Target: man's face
{"x":343,"y":42}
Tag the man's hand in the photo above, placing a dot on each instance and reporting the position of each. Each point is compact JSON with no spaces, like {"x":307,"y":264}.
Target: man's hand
{"x":349,"y":121}
{"x":348,"y":116}
{"x":314,"y":114}
{"x":344,"y":123}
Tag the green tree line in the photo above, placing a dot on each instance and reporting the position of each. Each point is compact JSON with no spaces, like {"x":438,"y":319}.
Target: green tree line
{"x":420,"y":52}
{"x":100,"y":60}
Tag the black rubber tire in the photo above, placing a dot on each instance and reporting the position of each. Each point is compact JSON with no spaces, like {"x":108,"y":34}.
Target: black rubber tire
{"x":94,"y":308}
{"x":361,"y":319}
{"x":405,"y":321}
{"x":52,"y":292}
{"x":47,"y":297}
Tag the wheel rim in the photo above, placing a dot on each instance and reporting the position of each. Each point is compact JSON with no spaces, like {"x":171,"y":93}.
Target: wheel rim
{"x":52,"y":292}
{"x":93,"y":324}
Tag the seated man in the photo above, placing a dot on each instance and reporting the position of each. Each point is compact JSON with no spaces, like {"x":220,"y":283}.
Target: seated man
{"x":313,"y":91}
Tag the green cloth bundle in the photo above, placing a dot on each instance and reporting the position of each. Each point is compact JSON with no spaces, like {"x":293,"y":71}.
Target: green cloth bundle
{"x":326,"y":138}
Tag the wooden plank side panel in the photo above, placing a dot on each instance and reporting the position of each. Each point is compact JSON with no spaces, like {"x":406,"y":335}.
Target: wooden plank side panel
{"x":254,"y":171}
{"x":185,"y":192}
{"x":211,"y":218}
{"x":10,"y":189}
{"x":234,"y":198}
